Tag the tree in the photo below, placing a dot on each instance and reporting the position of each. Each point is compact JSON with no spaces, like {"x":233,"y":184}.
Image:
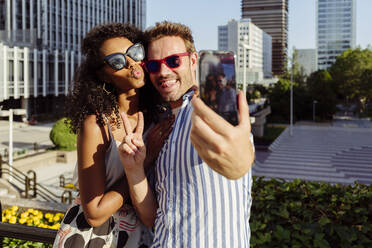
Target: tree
{"x":366,"y":80}
{"x":279,"y":96}
{"x":322,"y":89}
{"x":347,"y":73}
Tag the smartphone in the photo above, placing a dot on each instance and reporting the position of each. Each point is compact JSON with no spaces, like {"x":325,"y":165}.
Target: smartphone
{"x":217,"y":83}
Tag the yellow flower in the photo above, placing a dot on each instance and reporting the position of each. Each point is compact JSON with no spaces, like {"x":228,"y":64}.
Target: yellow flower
{"x":15,"y":208}
{"x":56,"y":218}
{"x":22,"y":220}
{"x":30,"y":210}
{"x":55,"y":226}
{"x":24,"y":215}
{"x":48,"y":215}
{"x":13,"y":220}
{"x":8,"y":216}
{"x":35,"y":212}
{"x":70,"y":186}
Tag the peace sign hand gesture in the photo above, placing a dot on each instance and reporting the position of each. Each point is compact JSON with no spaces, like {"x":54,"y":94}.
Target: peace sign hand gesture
{"x":132,"y":150}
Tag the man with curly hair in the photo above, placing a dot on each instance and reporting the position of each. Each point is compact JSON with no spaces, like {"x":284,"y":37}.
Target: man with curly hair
{"x":204,"y":169}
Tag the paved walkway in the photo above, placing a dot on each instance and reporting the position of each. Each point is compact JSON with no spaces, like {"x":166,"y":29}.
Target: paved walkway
{"x":24,"y":136}
{"x":320,"y":153}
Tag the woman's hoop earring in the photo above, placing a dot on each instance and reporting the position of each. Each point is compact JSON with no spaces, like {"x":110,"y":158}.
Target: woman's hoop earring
{"x":104,"y":89}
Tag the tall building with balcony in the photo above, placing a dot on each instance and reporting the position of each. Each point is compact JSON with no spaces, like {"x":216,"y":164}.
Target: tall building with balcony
{"x":249,"y":43}
{"x":40,"y":44}
{"x":336,"y":29}
{"x":272,"y":17}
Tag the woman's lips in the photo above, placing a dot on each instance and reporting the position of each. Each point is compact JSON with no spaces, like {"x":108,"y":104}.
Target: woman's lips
{"x":136,"y":73}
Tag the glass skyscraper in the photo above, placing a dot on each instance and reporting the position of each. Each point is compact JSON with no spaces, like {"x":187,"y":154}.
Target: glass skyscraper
{"x":336,"y":27}
{"x":40,"y":44}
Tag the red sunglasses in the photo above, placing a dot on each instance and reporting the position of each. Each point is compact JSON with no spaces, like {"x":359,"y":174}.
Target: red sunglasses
{"x":172,"y":61}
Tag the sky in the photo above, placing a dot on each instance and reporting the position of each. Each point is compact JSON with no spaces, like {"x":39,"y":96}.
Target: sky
{"x":203,"y":17}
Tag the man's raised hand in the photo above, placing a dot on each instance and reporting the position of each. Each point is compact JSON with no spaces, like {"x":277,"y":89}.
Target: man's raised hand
{"x":225,"y":148}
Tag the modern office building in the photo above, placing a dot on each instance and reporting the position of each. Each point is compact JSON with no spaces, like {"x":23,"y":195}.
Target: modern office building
{"x":272,"y":17}
{"x":336,"y":29}
{"x":249,"y":43}
{"x":307,"y":59}
{"x":40,"y":44}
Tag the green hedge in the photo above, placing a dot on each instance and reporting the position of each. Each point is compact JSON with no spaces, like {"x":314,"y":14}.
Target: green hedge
{"x":61,"y":135}
{"x":310,"y":214}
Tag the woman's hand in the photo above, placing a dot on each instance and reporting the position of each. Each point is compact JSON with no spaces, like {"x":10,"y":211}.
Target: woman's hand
{"x":132,"y":153}
{"x":132,"y":150}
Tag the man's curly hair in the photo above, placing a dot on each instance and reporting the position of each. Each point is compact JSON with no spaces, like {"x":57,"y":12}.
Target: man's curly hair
{"x":167,"y":28}
{"x":88,"y":96}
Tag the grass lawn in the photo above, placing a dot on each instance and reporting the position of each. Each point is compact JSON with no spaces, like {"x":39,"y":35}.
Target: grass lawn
{"x":270,"y":134}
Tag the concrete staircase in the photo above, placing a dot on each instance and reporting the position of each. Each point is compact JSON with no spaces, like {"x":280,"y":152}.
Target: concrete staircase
{"x":48,"y":168}
{"x":329,"y":154}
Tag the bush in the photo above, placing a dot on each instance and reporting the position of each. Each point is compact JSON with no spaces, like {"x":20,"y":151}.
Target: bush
{"x":310,"y":214}
{"x":61,"y":135}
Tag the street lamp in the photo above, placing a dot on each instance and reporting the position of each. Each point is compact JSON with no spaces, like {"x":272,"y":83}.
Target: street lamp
{"x":246,"y":47}
{"x":291,"y":102}
{"x":314,"y":102}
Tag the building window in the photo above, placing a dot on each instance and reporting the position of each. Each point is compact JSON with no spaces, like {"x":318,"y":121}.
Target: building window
{"x":21,"y":76}
{"x":11,"y":70}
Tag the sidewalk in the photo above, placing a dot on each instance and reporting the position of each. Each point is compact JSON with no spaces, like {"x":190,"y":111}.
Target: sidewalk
{"x":24,"y":136}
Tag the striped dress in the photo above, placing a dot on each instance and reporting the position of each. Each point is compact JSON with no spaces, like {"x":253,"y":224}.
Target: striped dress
{"x":197,"y":206}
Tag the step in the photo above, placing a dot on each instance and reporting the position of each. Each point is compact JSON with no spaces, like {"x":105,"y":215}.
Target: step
{"x":357,"y":170}
{"x":3,"y":192}
{"x":308,"y":178}
{"x":305,"y":163}
{"x":358,"y":174}
{"x":317,"y":147}
{"x":301,"y":151}
{"x":298,"y":167}
{"x":350,"y":161}
{"x":302,"y":155}
{"x":274,"y":158}
{"x":355,"y":157}
{"x":302,"y":173}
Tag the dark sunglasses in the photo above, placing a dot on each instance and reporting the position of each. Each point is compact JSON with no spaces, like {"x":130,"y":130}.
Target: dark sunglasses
{"x":118,"y":61}
{"x":173,"y":61}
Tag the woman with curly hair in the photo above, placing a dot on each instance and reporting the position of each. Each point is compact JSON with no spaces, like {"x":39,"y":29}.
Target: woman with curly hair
{"x":106,"y":102}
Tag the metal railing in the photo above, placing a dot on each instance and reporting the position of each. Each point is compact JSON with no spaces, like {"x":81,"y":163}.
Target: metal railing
{"x":32,"y":189}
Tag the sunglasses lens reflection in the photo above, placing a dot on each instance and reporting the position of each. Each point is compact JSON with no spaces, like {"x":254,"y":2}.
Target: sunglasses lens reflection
{"x":117,"y":62}
{"x":173,"y":61}
{"x":136,"y":52}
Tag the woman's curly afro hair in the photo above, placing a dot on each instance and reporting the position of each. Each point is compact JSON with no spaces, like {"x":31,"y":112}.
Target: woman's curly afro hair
{"x":88,"y":96}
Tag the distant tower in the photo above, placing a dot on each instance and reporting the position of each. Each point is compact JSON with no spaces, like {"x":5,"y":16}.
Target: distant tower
{"x":336,"y":28}
{"x":272,"y":17}
{"x":232,"y":36}
{"x":307,"y":59}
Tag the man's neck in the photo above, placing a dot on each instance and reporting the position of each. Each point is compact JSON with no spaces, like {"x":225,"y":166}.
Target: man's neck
{"x":176,"y":104}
